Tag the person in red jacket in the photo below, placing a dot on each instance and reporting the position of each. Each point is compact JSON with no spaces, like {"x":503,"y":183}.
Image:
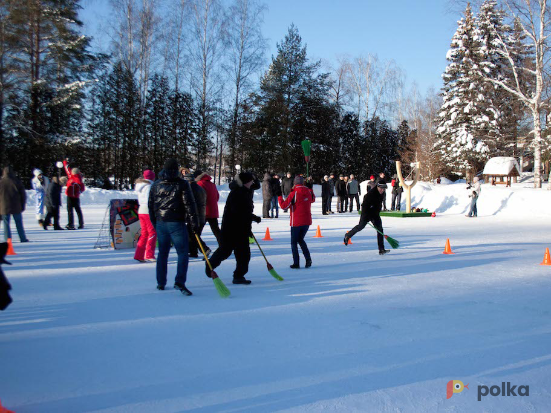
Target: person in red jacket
{"x":75,"y":186}
{"x":300,"y":203}
{"x":204,"y":181}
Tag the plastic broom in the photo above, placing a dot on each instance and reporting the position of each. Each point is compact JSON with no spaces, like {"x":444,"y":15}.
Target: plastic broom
{"x":271,"y":269}
{"x":393,"y":242}
{"x":220,"y":286}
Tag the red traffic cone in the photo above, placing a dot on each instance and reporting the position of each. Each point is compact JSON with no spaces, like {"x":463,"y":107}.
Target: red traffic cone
{"x":447,"y":248}
{"x":318,"y":233}
{"x":433,"y":214}
{"x":267,"y":236}
{"x":10,"y":248}
{"x":546,"y":258}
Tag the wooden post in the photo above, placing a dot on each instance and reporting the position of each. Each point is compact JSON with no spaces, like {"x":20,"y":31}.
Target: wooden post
{"x":404,"y":185}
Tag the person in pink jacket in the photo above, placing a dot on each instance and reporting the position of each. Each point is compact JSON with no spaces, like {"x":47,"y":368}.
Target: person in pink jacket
{"x":145,"y":250}
{"x":204,"y":181}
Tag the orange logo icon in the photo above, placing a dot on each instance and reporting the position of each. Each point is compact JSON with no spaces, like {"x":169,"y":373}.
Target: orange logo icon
{"x":455,"y":386}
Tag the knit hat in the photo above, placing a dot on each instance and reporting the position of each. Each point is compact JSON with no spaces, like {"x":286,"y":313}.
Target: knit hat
{"x":149,"y":175}
{"x":37,"y":172}
{"x":246,"y":177}
{"x":341,"y":176}
{"x":382,"y":184}
{"x":299,"y":180}
{"x":325,"y":177}
{"x":171,"y":164}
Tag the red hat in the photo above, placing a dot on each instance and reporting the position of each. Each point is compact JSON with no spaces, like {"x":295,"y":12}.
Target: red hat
{"x":149,"y":175}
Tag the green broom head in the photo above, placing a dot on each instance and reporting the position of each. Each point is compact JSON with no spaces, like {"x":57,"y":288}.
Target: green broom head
{"x":274,"y":273}
{"x":220,"y":286}
{"x":393,"y":243}
{"x":251,"y":240}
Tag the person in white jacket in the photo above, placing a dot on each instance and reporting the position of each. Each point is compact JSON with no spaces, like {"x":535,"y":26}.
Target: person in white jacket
{"x":145,"y":250}
{"x":40,"y":184}
{"x":475,"y":188}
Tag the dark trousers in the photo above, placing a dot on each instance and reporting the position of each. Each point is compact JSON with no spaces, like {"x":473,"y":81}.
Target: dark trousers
{"x":52,"y":213}
{"x":377,"y":223}
{"x":329,"y":199}
{"x":384,"y":201}
{"x":266,"y":205}
{"x":324,"y":205}
{"x":194,"y":248}
{"x":175,"y":232}
{"x":342,"y":203}
{"x":213,"y":222}
{"x":297,"y":237}
{"x":275,"y":205}
{"x":353,"y":197}
{"x":396,"y":200}
{"x":239,"y":245}
{"x":74,"y":203}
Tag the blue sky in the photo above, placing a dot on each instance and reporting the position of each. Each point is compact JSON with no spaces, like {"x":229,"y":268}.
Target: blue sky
{"x":415,"y":34}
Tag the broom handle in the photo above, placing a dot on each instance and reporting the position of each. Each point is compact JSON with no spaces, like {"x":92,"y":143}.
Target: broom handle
{"x":203,"y":251}
{"x":376,"y":229}
{"x":262,"y":252}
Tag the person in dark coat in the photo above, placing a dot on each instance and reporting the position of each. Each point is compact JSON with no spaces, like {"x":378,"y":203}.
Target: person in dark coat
{"x":266,"y":195}
{"x":340,"y":188}
{"x":204,"y":181}
{"x":331,"y":192}
{"x":171,"y":203}
{"x":371,"y":183}
{"x":276,"y":191}
{"x":396,"y":194}
{"x":53,"y":204}
{"x":236,"y":226}
{"x":354,"y":192}
{"x":200,"y":196}
{"x":382,"y":178}
{"x":5,"y":286}
{"x":13,"y":200}
{"x":309,"y":183}
{"x":325,"y":195}
{"x":371,"y":208}
{"x":287,"y":185}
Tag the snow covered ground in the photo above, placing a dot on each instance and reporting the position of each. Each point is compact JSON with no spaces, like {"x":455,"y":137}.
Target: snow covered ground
{"x":357,"y":332}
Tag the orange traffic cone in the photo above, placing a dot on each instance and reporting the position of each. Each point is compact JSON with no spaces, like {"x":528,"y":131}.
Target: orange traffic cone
{"x":447,"y":248}
{"x":267,"y":236}
{"x":349,"y":240}
{"x":433,"y":214}
{"x":546,"y":258}
{"x":10,"y":248}
{"x":318,"y":233}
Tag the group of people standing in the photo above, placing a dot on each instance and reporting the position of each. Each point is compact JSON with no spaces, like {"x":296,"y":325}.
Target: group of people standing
{"x":273,"y":187}
{"x":13,"y":199}
{"x":347,"y":190}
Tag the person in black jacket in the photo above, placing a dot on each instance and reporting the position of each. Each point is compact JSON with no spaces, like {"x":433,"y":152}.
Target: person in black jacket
{"x":53,"y":204}
{"x":371,"y":207}
{"x":171,"y":203}
{"x":287,"y":186}
{"x":340,"y":188}
{"x":5,"y":286}
{"x":276,"y":191}
{"x":236,"y":226}
{"x":382,"y":178}
{"x":325,"y":195}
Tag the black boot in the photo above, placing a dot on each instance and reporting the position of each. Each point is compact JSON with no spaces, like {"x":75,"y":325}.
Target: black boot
{"x":182,"y":289}
{"x":346,"y":239}
{"x":383,"y":252}
{"x":294,"y":266}
{"x":241,"y":280}
{"x":308,"y":263}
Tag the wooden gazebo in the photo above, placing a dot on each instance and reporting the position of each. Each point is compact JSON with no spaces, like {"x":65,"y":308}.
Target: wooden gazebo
{"x":501,"y":170}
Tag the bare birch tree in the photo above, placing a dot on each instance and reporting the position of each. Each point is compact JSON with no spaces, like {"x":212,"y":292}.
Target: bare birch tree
{"x":533,"y":18}
{"x":245,"y":52}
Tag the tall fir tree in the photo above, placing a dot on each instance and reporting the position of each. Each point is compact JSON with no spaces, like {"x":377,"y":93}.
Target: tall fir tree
{"x":465,"y":121}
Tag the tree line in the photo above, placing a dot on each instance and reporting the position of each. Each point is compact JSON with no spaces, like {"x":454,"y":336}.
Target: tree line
{"x":189,"y":80}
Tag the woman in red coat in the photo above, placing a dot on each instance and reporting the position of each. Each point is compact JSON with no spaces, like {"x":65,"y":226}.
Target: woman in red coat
{"x":75,"y":186}
{"x":299,"y":202}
